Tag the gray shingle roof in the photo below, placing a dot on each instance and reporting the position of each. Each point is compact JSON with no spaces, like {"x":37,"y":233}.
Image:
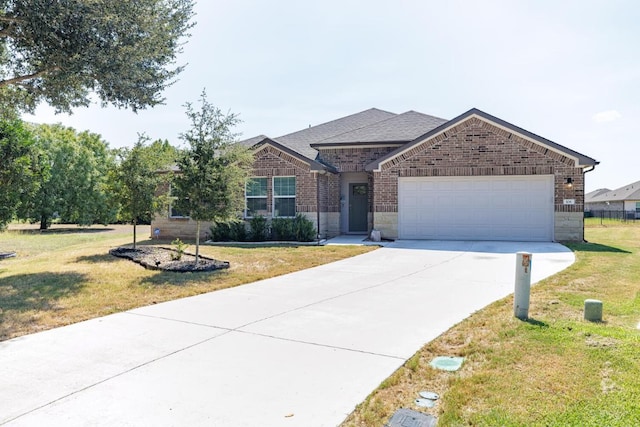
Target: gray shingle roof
{"x":581,"y":159}
{"x":595,"y":193}
{"x":627,"y":192}
{"x":379,"y":126}
{"x":403,"y":127}
{"x":301,"y":141}
{"x":253,"y":141}
{"x":312,"y":163}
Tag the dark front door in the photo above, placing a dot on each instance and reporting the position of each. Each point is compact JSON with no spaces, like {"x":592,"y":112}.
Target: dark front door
{"x":358,"y":207}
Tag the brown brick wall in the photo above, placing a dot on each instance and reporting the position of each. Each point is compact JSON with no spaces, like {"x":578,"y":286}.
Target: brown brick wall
{"x":477,"y":148}
{"x":270,"y":162}
{"x":333,"y":193}
{"x":472,"y":148}
{"x":352,"y":159}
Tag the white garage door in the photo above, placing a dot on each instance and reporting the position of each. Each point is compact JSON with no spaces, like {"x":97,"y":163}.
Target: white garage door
{"x":476,"y":208}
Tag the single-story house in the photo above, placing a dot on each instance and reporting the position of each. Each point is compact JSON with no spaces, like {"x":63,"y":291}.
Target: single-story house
{"x":415,"y":176}
{"x":624,"y":200}
{"x":592,"y":194}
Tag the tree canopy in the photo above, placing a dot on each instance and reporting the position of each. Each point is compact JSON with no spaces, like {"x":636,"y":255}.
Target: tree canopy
{"x":213,"y":169}
{"x":138,"y":177}
{"x":61,"y":51}
{"x":71,"y":170}
{"x":16,"y":162}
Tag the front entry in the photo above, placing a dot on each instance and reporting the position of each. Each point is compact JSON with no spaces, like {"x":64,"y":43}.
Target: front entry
{"x":358,"y":207}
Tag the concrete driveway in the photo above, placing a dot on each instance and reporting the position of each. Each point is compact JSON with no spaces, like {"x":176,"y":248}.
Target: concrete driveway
{"x":297,"y":350}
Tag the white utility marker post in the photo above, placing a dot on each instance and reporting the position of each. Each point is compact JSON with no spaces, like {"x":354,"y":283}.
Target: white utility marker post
{"x":523,"y":285}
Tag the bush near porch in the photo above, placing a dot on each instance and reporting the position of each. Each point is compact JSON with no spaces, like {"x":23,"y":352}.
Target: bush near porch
{"x":260,"y":229}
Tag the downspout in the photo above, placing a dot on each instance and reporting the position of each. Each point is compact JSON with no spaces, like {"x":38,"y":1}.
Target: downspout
{"x":318,"y":204}
{"x":585,"y":171}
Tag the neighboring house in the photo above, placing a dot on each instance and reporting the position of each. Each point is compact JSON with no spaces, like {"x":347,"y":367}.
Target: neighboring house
{"x":415,"y":176}
{"x":624,"y":199}
{"x":592,"y":194}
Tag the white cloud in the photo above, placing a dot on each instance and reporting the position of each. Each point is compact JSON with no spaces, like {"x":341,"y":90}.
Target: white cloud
{"x":606,"y":116}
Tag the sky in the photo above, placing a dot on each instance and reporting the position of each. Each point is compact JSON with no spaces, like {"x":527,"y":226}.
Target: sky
{"x":566,"y":70}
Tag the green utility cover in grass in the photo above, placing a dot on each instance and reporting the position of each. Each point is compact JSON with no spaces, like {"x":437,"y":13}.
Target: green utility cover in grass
{"x":447,"y":363}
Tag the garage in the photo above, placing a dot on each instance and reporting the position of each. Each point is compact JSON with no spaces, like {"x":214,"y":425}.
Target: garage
{"x":515,"y":208}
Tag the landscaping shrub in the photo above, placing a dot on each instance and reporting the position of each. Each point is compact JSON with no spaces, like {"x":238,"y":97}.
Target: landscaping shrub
{"x":296,"y":229}
{"x":304,"y":229}
{"x":282,"y":229}
{"x":220,"y":231}
{"x":259,"y":229}
{"x":228,"y":231}
{"x":238,"y":231}
{"x":180,"y":248}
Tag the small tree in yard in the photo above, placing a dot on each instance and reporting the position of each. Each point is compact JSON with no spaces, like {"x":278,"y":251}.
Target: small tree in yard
{"x":213,"y":168}
{"x":138,"y":177}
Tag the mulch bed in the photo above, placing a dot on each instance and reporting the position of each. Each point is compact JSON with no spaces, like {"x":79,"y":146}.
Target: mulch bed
{"x":159,"y":258}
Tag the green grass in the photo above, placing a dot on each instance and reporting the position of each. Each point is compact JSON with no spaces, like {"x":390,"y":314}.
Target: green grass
{"x":555,"y":369}
{"x":67,"y":275}
{"x":589,"y":222}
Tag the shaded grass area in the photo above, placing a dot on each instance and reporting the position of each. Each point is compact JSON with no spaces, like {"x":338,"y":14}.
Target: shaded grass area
{"x":554,"y":369}
{"x":65,"y":277}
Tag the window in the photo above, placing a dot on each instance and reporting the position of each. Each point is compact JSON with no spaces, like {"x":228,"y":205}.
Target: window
{"x":284,"y":196}
{"x":255,"y":197}
{"x":637,"y":206}
{"x":174,"y":213}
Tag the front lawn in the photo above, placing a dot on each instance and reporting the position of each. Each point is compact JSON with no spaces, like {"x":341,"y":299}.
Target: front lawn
{"x":66,"y":275}
{"x":555,"y":369}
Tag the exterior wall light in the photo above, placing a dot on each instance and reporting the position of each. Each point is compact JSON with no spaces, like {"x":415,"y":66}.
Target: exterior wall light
{"x":569,"y":182}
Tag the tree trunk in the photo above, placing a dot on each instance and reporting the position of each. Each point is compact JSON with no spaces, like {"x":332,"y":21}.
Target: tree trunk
{"x":43,"y":222}
{"x":197,"y":241}
{"x":134,"y":233}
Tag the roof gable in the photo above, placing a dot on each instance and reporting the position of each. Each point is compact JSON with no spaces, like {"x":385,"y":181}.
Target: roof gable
{"x":253,"y":141}
{"x":313,"y":165}
{"x":580,"y":159}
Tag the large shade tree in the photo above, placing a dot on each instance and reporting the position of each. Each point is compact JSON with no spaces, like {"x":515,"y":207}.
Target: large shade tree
{"x":61,"y":51}
{"x":213,"y":169}
{"x":71,"y":169}
{"x":141,"y":171}
{"x":16,"y":168}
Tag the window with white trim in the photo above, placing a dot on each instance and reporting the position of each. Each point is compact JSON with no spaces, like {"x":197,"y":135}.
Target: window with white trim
{"x":255,"y":193}
{"x":638,"y":207}
{"x":174,"y":213}
{"x":284,"y":196}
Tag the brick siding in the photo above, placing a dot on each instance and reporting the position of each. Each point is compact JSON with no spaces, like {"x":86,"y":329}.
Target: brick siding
{"x":352,"y":159}
{"x":472,"y":148}
{"x":270,"y":162}
{"x":478,"y":148}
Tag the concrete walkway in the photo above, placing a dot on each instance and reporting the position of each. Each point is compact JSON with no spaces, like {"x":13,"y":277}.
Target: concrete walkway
{"x":297,"y":350}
